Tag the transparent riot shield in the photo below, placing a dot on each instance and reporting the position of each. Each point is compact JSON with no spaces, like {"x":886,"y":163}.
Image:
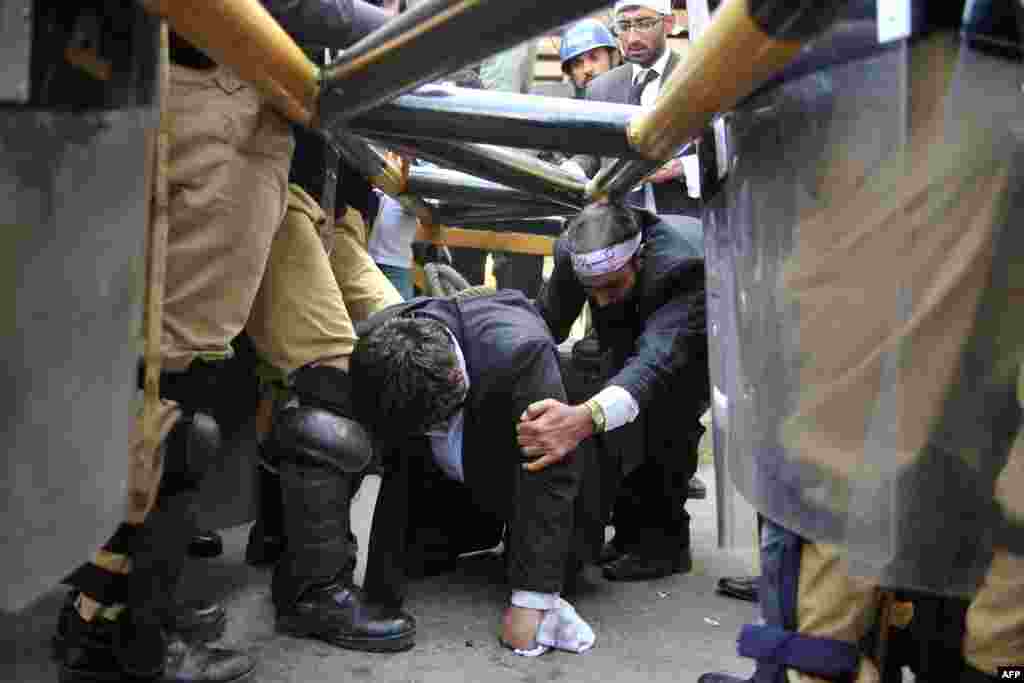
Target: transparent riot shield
{"x":865,"y":299}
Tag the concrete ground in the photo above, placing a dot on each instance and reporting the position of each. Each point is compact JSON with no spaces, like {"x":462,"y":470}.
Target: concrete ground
{"x":670,"y":630}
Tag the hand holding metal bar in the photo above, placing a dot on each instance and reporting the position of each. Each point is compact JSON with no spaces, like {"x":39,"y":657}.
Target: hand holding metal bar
{"x":432,"y":39}
{"x":746,"y":43}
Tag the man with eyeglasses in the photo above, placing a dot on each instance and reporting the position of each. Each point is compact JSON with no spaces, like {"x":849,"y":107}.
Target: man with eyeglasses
{"x":642,"y":28}
{"x":443,"y":382}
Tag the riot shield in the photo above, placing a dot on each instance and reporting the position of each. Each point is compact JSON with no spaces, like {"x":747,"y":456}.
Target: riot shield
{"x":864,"y":294}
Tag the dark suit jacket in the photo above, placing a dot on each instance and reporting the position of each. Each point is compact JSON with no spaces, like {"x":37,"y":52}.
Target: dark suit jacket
{"x":512,"y":362}
{"x":661,"y":350}
{"x":614,"y":86}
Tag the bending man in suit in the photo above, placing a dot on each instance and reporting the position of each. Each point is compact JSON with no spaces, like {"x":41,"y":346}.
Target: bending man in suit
{"x":443,"y":383}
{"x":644,"y":280}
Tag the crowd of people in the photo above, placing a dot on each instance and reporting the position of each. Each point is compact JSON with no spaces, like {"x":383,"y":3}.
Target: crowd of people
{"x":464,"y":405}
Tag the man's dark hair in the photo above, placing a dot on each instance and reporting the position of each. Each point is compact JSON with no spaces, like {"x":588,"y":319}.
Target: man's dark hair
{"x":406,"y":377}
{"x":601,"y":225}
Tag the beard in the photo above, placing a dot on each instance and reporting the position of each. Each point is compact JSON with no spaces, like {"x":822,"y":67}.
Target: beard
{"x":614,"y":321}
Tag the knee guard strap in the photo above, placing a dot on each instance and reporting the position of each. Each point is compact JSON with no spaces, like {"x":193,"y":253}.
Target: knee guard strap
{"x":776,"y":645}
{"x":98,"y":583}
{"x":780,"y":648}
{"x":192,"y":389}
{"x":324,"y":387}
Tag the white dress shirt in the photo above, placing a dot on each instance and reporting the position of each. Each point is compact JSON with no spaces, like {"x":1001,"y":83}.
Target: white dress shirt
{"x":647,"y":99}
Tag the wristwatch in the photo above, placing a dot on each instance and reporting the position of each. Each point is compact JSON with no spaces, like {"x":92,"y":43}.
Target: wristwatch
{"x":596,"y":414}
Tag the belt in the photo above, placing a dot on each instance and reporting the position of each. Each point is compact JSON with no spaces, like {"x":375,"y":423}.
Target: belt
{"x":185,"y":53}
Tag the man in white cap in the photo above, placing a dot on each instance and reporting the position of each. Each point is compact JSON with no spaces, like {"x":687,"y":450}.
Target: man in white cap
{"x":644,"y":280}
{"x":642,"y":28}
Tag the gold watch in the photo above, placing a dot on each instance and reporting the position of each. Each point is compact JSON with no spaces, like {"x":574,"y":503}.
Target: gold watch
{"x":597,"y":415}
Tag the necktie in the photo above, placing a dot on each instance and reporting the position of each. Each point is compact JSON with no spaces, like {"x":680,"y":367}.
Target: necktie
{"x":637,"y":91}
{"x":638,"y":196}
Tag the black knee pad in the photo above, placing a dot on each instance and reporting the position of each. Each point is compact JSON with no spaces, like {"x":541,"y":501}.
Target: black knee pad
{"x":313,"y":436}
{"x":188,"y":453}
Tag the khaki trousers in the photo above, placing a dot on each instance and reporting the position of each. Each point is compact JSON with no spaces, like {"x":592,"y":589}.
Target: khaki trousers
{"x":833,"y":604}
{"x":244,"y":250}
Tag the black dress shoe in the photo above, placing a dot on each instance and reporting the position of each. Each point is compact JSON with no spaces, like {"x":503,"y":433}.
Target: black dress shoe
{"x":206,"y":544}
{"x":263,"y":548}
{"x":696,"y":489}
{"x":113,"y":651}
{"x":739,"y":587}
{"x":197,"y":621}
{"x":193,"y":663}
{"x":721,"y":678}
{"x":630,"y":567}
{"x":609,"y":553}
{"x":336,"y":614}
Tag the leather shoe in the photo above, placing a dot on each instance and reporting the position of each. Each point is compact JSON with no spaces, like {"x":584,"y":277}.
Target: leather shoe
{"x":630,"y":567}
{"x":337,"y":614}
{"x":721,"y":678}
{"x":206,"y":544}
{"x":739,"y":587}
{"x":111,"y":651}
{"x":194,"y":663}
{"x":263,"y":548}
{"x":609,"y":553}
{"x":196,"y":621}
{"x":696,"y":489}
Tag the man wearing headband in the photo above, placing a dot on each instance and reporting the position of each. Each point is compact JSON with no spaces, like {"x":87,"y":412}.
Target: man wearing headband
{"x":644,"y":280}
{"x":442,"y":383}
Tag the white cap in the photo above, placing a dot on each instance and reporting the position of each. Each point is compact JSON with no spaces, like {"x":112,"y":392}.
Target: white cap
{"x":659,"y":6}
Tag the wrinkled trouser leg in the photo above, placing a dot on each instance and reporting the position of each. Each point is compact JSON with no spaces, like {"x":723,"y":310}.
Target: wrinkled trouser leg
{"x":303,"y":317}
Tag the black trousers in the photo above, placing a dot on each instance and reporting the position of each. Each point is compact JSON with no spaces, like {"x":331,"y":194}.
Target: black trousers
{"x":423,"y":521}
{"x":649,"y":514}
{"x":523,"y":272}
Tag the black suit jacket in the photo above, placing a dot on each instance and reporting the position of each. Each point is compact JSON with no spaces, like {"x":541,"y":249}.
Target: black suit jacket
{"x":512,"y":361}
{"x":661,"y":350}
{"x":614,"y":86}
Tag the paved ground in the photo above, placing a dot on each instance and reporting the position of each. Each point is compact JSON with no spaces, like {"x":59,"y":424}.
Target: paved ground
{"x":671,"y":629}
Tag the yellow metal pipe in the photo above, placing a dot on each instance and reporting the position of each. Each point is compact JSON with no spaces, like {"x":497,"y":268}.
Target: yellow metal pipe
{"x":722,"y":66}
{"x":488,"y":240}
{"x":242,"y":35}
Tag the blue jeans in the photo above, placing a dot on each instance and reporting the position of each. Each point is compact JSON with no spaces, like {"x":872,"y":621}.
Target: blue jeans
{"x":401,"y":278}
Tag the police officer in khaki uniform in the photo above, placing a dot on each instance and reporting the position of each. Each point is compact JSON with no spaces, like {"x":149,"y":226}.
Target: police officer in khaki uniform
{"x":243,"y":251}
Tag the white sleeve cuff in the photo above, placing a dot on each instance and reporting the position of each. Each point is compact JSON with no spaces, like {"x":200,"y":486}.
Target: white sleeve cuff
{"x":618,"y":405}
{"x":534,"y":600}
{"x":574,"y":168}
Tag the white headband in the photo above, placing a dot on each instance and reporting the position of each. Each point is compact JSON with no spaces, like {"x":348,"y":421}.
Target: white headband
{"x":607,"y":260}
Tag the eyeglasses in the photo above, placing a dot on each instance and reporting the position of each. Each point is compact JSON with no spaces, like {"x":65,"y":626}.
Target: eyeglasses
{"x":639,"y":25}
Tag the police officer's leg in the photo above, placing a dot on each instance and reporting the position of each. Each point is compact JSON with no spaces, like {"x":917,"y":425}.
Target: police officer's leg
{"x":223,"y":144}
{"x":814,"y":613}
{"x":995,"y":617}
{"x":524,"y":272}
{"x":125,"y":621}
{"x":471,"y":263}
{"x":301,"y":325}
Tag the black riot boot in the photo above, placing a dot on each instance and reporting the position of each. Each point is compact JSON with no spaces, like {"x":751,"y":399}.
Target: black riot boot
{"x":135,"y":642}
{"x":266,"y":537}
{"x":196,"y":621}
{"x":319,"y":454}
